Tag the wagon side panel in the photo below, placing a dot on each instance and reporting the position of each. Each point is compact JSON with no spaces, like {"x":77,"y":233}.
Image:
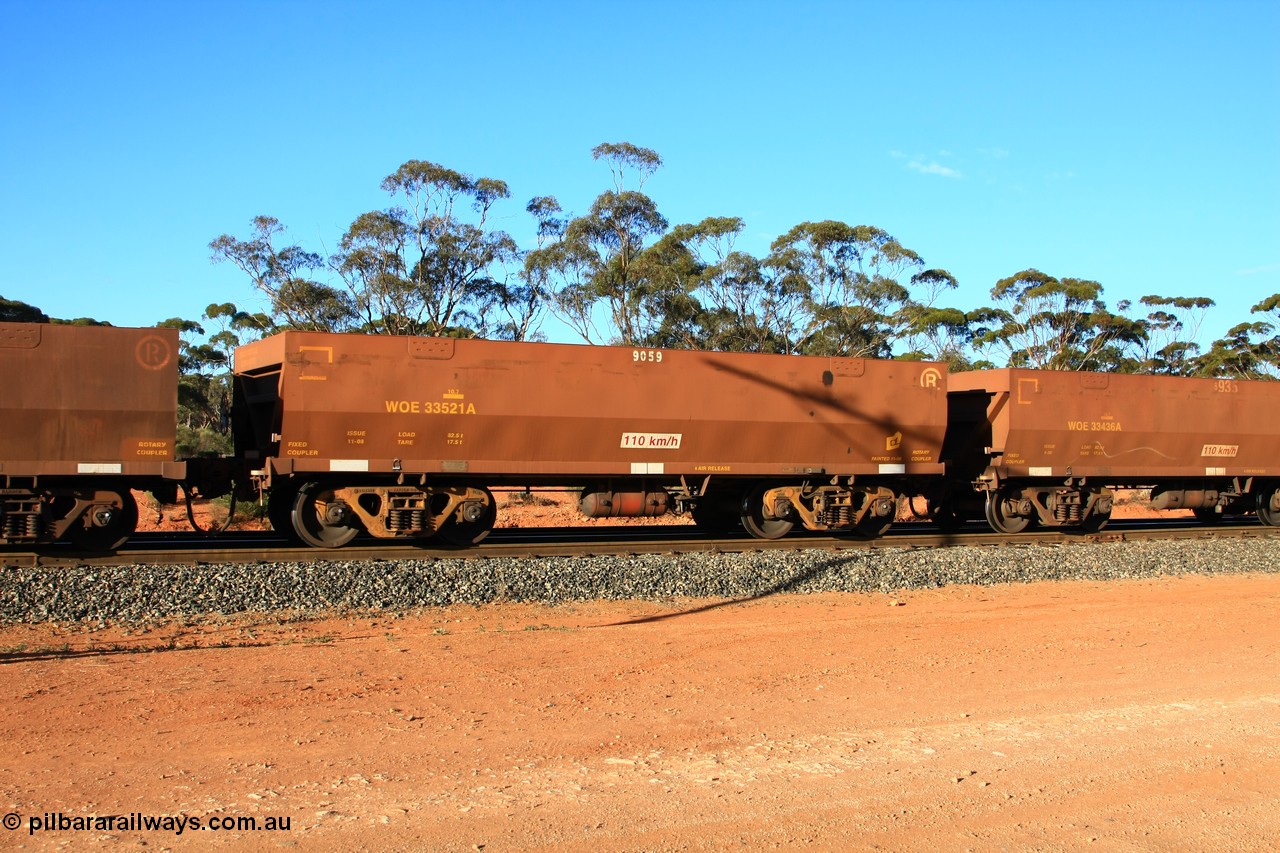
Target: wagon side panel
{"x":87,"y":400}
{"x":483,"y":407}
{"x":1128,"y":428}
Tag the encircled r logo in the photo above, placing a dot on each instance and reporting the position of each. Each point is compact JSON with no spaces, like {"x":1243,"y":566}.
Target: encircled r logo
{"x":153,"y":352}
{"x":930,"y":378}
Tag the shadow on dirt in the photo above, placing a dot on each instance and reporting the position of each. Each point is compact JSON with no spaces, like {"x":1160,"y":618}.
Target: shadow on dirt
{"x":783,"y":586}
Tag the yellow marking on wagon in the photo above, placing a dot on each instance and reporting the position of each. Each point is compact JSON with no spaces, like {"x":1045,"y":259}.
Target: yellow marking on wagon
{"x":328,"y":353}
{"x":1094,"y":426}
{"x":1031,"y":385}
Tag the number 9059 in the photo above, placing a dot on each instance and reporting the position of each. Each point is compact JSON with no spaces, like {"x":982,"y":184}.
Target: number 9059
{"x":646,"y":356}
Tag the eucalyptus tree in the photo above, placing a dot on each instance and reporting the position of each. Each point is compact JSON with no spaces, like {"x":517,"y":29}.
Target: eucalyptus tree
{"x":594,"y":261}
{"x":668,"y":274}
{"x":1270,"y":349}
{"x":1172,"y":325}
{"x":748,"y":309}
{"x":286,"y":277}
{"x":14,"y":311}
{"x":932,"y":332}
{"x":727,"y":300}
{"x":847,"y":278}
{"x":1269,"y":307}
{"x":1055,"y":324}
{"x":429,"y":264}
{"x":1249,"y":350}
{"x":523,"y":299}
{"x":420,"y":267}
{"x":204,"y":403}
{"x":235,"y":327}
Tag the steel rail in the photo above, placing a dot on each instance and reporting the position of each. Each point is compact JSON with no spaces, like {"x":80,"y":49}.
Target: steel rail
{"x":267,"y":548}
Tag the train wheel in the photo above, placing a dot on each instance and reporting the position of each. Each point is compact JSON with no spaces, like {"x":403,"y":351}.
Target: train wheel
{"x":464,"y":533}
{"x":319,"y":519}
{"x":1095,"y":521}
{"x":1269,"y":507}
{"x":946,"y":516}
{"x":107,"y":527}
{"x":280,"y":510}
{"x":870,"y":527}
{"x":754,"y":522}
{"x":1000,"y":521}
{"x":716,"y":517}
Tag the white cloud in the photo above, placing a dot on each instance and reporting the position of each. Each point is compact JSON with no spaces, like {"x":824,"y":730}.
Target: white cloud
{"x":933,"y":168}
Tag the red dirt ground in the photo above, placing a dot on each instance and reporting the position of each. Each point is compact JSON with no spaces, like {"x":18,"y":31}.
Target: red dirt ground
{"x":1136,"y":715}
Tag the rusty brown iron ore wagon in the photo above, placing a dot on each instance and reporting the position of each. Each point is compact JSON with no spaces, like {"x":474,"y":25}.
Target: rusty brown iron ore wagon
{"x":88,"y":413}
{"x":1047,"y":446}
{"x":406,"y":437}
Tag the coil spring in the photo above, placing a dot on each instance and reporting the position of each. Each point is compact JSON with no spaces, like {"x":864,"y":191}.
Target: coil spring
{"x":1068,"y":513}
{"x":21,"y":525}
{"x":407,"y":520}
{"x":838,"y":516}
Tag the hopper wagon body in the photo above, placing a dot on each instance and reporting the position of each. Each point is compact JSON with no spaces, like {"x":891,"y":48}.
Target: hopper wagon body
{"x":88,"y":413}
{"x":405,"y":437}
{"x":1047,"y":445}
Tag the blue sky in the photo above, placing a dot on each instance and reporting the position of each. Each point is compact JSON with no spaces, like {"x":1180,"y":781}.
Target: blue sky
{"x":1133,"y":143}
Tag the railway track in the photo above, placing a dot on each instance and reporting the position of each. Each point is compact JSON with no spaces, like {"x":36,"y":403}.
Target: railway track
{"x":266,"y":547}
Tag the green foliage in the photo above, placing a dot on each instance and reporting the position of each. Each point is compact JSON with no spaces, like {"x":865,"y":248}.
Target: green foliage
{"x":623,"y":156}
{"x":1056,"y":324}
{"x":78,"y":321}
{"x":1171,"y":326}
{"x":245,"y":510}
{"x":846,"y":279}
{"x":430,"y":263}
{"x":745,"y":307}
{"x":1249,"y":350}
{"x":419,"y":267}
{"x":598,"y":259}
{"x":201,"y":441}
{"x":13,"y":311}
{"x":204,"y":375}
{"x":299,"y":301}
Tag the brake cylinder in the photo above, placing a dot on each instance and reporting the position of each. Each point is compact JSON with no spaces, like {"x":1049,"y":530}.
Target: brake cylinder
{"x":623,"y":504}
{"x":1184,"y":499}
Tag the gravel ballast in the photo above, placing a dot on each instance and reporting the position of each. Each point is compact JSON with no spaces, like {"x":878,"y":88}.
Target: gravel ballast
{"x":142,"y":595}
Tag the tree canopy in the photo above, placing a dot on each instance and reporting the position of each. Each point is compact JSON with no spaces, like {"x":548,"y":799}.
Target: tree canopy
{"x":432,"y":262}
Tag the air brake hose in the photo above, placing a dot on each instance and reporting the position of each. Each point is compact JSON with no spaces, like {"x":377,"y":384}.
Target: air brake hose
{"x":212,"y":531}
